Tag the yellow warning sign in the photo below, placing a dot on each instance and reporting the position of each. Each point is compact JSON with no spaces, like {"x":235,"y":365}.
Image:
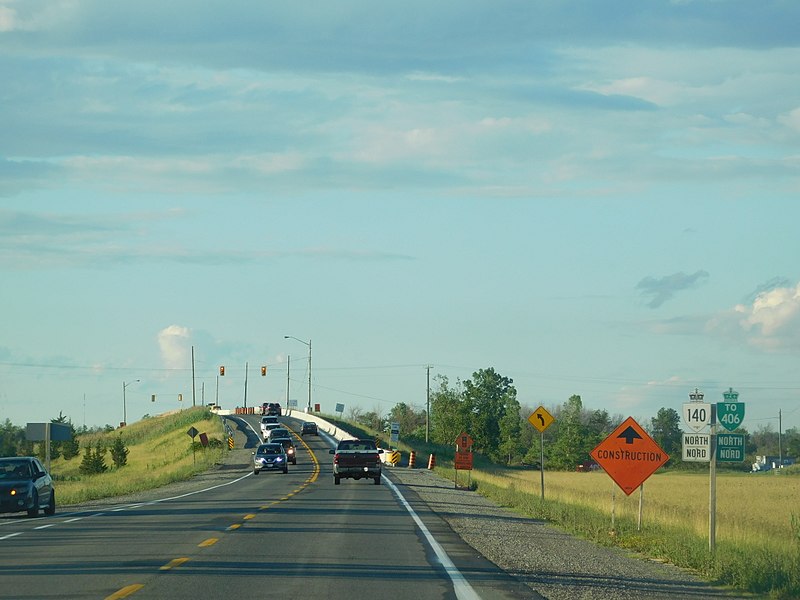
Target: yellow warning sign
{"x":541,"y":419}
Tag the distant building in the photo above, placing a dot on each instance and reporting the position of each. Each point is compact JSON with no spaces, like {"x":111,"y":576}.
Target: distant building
{"x":767,"y":463}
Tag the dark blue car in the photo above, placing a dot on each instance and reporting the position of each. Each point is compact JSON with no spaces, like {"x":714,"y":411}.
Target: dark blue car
{"x":25,"y":486}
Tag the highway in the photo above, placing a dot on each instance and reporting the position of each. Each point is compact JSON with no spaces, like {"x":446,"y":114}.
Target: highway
{"x":283,"y":536}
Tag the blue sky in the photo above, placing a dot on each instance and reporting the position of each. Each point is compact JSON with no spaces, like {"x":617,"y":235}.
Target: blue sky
{"x":594,"y":198}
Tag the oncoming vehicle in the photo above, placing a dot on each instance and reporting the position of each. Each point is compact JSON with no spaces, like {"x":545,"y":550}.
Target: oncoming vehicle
{"x":310,"y":428}
{"x":25,"y":485}
{"x":272,"y":420}
{"x":273,"y":409}
{"x":267,"y":427}
{"x":278,"y":432}
{"x":288,"y":445}
{"x":270,"y":457}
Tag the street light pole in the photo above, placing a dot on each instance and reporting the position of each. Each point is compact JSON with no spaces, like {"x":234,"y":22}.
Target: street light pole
{"x":308,"y":343}
{"x":124,"y":403}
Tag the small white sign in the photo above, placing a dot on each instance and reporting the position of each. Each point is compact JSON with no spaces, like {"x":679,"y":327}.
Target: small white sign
{"x":696,"y":447}
{"x":394,"y":431}
{"x":697,"y":415}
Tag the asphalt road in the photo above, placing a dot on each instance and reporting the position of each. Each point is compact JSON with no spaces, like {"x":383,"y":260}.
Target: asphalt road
{"x":239,"y":535}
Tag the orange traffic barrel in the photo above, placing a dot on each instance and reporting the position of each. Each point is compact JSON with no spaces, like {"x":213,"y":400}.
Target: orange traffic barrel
{"x":412,"y":459}
{"x":431,"y":461}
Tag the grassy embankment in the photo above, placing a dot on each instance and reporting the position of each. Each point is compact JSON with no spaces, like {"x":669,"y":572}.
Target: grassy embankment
{"x":758,"y":515}
{"x":160,"y":453}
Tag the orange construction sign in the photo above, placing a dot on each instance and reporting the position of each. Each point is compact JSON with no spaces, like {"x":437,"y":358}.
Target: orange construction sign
{"x":463,"y":441}
{"x":463,"y":461}
{"x":629,"y":455}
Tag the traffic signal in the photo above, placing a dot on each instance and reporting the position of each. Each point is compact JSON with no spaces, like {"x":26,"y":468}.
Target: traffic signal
{"x":263,"y":371}
{"x":153,"y":398}
{"x":222,"y":370}
{"x":180,"y":397}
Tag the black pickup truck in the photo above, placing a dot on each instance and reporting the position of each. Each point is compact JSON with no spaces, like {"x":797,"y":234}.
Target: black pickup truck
{"x":355,"y":459}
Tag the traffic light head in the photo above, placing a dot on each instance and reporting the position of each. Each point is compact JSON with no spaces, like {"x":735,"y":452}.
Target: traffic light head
{"x":222,"y":370}
{"x":263,"y":371}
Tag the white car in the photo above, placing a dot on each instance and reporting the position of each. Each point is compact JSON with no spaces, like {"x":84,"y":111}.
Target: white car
{"x":268,"y":421}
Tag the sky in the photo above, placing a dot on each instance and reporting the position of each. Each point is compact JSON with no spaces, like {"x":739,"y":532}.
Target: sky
{"x":592,"y":198}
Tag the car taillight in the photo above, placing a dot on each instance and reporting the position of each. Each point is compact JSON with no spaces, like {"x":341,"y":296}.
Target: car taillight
{"x":336,"y":459}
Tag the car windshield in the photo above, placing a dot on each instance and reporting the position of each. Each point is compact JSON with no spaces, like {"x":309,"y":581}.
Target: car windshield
{"x":15,"y":469}
{"x":272,"y":449}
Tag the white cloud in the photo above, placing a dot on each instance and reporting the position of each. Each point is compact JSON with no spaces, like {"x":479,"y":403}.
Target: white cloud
{"x":175,"y":347}
{"x":771,"y":322}
{"x":791,"y":120}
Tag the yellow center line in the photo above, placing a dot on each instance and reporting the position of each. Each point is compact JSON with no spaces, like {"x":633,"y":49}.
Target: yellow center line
{"x":248,"y":517}
{"x":208,"y":542}
{"x":234,"y":526}
{"x":175,"y":562}
{"x":125,"y":592}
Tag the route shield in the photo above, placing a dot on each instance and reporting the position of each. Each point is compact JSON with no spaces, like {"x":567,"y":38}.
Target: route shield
{"x":730,"y":414}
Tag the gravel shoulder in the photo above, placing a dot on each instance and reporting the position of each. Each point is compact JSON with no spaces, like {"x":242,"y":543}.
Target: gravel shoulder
{"x":550,"y":562}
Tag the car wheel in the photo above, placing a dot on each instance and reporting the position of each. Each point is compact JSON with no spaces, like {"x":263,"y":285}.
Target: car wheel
{"x":378,"y":480}
{"x":33,"y":511}
{"x":50,"y":509}
{"x":256,"y":471}
{"x":336,"y":480}
{"x":285,"y":470}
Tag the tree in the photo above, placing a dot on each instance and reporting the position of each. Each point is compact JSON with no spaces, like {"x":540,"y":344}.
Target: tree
{"x":485,"y":397}
{"x":511,"y":431}
{"x":410,"y":421}
{"x":448,"y":412}
{"x":665,"y":428}
{"x":571,"y":446}
{"x":119,"y":452}
{"x":791,"y":441}
{"x":94,"y":460}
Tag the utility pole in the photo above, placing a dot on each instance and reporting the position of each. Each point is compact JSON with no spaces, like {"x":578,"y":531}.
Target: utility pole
{"x":428,"y":411}
{"x":780,"y":442}
{"x":288,"y":362}
{"x":193,"y":398}
{"x":245,"y":385}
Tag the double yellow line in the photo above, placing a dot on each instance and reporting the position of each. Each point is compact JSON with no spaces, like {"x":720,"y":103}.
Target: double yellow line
{"x":177,"y":562}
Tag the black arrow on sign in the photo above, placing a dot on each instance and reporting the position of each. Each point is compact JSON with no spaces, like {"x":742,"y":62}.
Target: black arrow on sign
{"x":629,"y":435}
{"x":541,"y":418}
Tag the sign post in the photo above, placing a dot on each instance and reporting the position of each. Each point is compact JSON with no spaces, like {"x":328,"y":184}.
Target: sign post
{"x":541,"y":420}
{"x":463,"y":457}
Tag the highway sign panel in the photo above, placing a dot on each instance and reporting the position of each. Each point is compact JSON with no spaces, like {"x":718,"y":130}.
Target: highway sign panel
{"x":697,"y":415}
{"x":696,"y":447}
{"x":629,"y":455}
{"x":394,"y":432}
{"x":730,"y":447}
{"x":541,"y":419}
{"x":730,"y":414}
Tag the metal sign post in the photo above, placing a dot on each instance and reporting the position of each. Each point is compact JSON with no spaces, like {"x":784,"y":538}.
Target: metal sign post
{"x":541,"y":420}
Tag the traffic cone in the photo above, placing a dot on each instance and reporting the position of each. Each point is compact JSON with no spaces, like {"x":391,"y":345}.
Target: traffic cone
{"x":412,"y":459}
{"x":431,"y":461}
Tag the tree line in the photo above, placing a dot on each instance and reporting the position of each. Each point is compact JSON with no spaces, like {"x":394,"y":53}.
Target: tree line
{"x":487,"y":408}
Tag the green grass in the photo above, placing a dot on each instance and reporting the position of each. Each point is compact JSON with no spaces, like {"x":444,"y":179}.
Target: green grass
{"x":160,"y":453}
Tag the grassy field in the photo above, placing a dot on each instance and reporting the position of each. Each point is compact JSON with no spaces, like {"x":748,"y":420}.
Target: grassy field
{"x":160,"y":453}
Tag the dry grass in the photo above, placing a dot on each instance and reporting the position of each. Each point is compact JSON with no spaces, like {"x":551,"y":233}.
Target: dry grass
{"x":751,"y":508}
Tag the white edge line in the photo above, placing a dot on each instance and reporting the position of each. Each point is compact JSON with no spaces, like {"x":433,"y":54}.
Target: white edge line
{"x":462,"y":588}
